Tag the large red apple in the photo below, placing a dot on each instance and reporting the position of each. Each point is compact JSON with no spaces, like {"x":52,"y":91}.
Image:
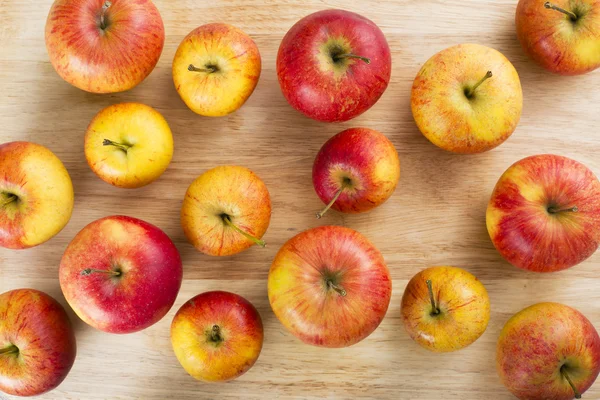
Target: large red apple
{"x":329,"y":286}
{"x":120,"y":274}
{"x":333,"y":65}
{"x":544,"y":214}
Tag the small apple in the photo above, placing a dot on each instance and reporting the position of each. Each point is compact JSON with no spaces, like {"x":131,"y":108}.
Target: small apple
{"x":548,"y":351}
{"x":120,"y":274}
{"x":128,"y":145}
{"x":37,"y":343}
{"x":445,"y":308}
{"x":217,"y":336}
{"x":333,"y":65}
{"x":355,"y":171}
{"x":36,"y":195}
{"x":216,"y":69}
{"x":562,"y":36}
{"x":104,"y":46}
{"x":544,"y":213}
{"x":329,"y":286}
{"x":225,"y":211}
{"x":467,"y":99}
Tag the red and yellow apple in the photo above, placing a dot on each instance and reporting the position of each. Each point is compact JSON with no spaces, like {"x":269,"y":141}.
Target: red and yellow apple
{"x":544,"y":213}
{"x":36,"y":195}
{"x":37,"y":343}
{"x":329,"y":286}
{"x":120,"y":274}
{"x":217,"y":336}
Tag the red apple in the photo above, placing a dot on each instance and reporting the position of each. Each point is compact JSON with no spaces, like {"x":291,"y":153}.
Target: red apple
{"x":333,"y":65}
{"x":37,"y":343}
{"x":544,"y":214}
{"x":120,"y":274}
{"x":329,"y":286}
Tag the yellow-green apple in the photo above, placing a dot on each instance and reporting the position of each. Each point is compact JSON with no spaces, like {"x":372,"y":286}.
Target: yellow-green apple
{"x":120,"y":274}
{"x":548,"y":351}
{"x":467,"y":99}
{"x":104,"y":46}
{"x":329,"y":286}
{"x":217,"y":336}
{"x":562,"y":36}
{"x":216,"y":69}
{"x":544,"y":213}
{"x":37,"y":343}
{"x":128,"y":145}
{"x":333,"y":65}
{"x":226,"y":210}
{"x":36,"y":195}
{"x":355,"y":171}
{"x":445,"y":308}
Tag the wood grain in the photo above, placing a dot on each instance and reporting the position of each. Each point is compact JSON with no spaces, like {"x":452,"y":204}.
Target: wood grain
{"x":436,"y":216}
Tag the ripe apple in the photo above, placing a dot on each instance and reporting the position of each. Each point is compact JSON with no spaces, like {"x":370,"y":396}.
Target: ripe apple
{"x":329,"y":286}
{"x":562,"y":36}
{"x":226,"y":210}
{"x":467,"y":99}
{"x":216,"y":69}
{"x":104,"y":46}
{"x":217,"y":336}
{"x":120,"y":274}
{"x":37,"y":343}
{"x":333,"y":65}
{"x":548,"y":351}
{"x":128,"y":145}
{"x":355,"y":171}
{"x":36,"y":195}
{"x":544,"y":213}
{"x":445,"y":308}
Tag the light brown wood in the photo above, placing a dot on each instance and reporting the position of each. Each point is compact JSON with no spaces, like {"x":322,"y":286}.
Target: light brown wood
{"x":436,"y":216}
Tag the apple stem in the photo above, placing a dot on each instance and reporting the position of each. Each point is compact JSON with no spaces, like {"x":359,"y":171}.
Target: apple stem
{"x":564,"y":373}
{"x":90,"y":271}
{"x":9,"y":350}
{"x":124,"y":147}
{"x":341,"y":291}
{"x":215,"y":334}
{"x":350,"y":55}
{"x":470,"y":92}
{"x":105,"y":7}
{"x":228,"y":221}
{"x":208,"y":70}
{"x":337,"y":195}
{"x":551,"y":6}
{"x":9,"y":199}
{"x":555,"y":210}
{"x":435,"y":310}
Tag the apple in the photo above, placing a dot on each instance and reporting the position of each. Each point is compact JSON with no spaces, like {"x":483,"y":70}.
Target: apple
{"x":36,"y":195}
{"x":120,"y":274}
{"x":225,"y":211}
{"x":329,"y":286}
{"x":128,"y":145}
{"x":548,"y":351}
{"x":217,"y":336}
{"x":562,"y":36}
{"x":37,"y":343}
{"x":544,"y":213}
{"x":445,"y":308}
{"x":104,"y":46}
{"x":216,"y":69}
{"x":333,"y":65}
{"x":355,"y":171}
{"x":467,"y":99}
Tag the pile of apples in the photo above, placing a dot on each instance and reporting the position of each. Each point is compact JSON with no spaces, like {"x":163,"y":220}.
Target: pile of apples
{"x":329,"y":286}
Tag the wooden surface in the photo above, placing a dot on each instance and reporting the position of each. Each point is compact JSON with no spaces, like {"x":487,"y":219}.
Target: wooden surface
{"x":436,"y":216}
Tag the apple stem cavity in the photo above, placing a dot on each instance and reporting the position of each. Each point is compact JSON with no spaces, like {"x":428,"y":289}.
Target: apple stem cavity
{"x":209,"y":69}
{"x":341,"y":291}
{"x":470,"y":92}
{"x":89,"y":271}
{"x":551,"y":6}
{"x":435,"y":310}
{"x":350,"y":55}
{"x":228,"y":222}
{"x":9,"y":199}
{"x":122,"y":146}
{"x":12,"y":349}
{"x":556,"y":210}
{"x":565,"y":374}
{"x":215,"y":334}
{"x":105,"y":7}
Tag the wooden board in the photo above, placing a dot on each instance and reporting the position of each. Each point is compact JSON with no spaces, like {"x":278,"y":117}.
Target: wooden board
{"x":436,"y":216}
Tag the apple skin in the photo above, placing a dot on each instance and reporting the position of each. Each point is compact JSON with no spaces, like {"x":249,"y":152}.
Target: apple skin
{"x":455,"y":122}
{"x":44,"y":195}
{"x":227,"y":355}
{"x":557,"y":43}
{"x":463,"y":303}
{"x":535,"y":344}
{"x":41,"y":331}
{"x":147,"y":139}
{"x":226,"y":190}
{"x":150,"y":274}
{"x":521,"y":225}
{"x":238,"y":63}
{"x":108,"y":60}
{"x":324,"y":89}
{"x":313,"y":310}
{"x":364,"y":160}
